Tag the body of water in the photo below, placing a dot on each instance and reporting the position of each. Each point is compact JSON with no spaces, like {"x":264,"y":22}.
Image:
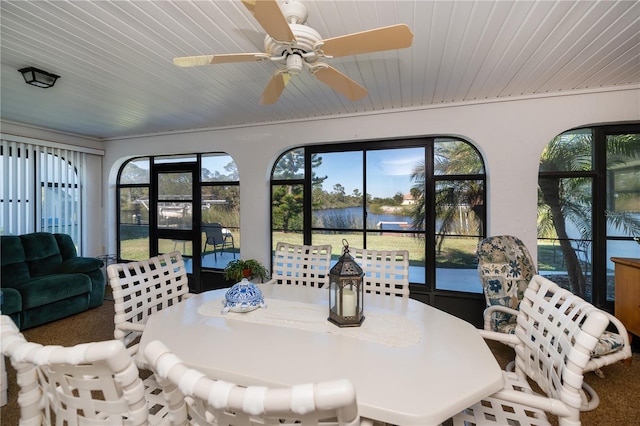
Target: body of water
{"x":351,"y":218}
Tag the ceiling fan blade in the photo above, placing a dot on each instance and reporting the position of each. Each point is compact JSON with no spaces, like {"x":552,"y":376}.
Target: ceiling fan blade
{"x":340,"y":82}
{"x":275,"y":87}
{"x":194,"y":61}
{"x":376,"y":40}
{"x":270,"y":17}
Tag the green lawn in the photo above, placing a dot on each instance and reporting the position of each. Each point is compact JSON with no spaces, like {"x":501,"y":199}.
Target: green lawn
{"x":550,"y":258}
{"x":456,"y":252}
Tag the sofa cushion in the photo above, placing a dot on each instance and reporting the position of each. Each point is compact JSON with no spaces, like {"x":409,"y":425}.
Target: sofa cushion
{"x":66,"y":246}
{"x":54,"y":311}
{"x":42,"y":253}
{"x":81,"y":265}
{"x":14,"y":266}
{"x":51,"y":288}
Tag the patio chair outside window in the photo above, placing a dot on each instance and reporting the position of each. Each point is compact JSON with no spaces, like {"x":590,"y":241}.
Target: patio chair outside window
{"x":218,"y":238}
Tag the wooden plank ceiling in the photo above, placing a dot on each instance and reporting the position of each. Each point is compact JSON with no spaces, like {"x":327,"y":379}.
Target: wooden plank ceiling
{"x":118,"y":79}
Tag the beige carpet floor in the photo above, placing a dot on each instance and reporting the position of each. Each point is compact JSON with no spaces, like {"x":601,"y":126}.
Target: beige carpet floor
{"x":619,"y":391}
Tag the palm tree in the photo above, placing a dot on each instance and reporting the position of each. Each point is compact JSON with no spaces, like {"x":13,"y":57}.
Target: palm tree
{"x":450,"y":158}
{"x":565,"y":194}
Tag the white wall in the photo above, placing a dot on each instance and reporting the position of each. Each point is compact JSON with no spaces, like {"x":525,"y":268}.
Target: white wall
{"x":509,"y":134}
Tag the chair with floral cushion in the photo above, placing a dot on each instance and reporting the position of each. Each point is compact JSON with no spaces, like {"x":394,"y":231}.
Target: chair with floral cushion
{"x":505,"y":267}
{"x":555,"y":333}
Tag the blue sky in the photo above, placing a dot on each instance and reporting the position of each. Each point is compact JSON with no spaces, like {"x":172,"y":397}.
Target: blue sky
{"x":389,"y":171}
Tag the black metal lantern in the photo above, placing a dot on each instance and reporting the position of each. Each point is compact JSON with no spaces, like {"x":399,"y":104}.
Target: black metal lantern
{"x":346,"y":291}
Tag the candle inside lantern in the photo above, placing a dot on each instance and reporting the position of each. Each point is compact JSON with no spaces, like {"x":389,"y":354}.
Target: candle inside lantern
{"x":349,"y":300}
{"x":346,"y":291}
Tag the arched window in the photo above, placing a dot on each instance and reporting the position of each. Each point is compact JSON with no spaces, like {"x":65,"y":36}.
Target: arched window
{"x":589,"y":207}
{"x":425,"y":195}
{"x":169,"y":203}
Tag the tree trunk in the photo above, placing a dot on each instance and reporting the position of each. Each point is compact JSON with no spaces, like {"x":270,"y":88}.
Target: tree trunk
{"x":550,"y":188}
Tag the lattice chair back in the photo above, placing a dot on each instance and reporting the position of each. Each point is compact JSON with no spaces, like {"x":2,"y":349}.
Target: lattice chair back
{"x":139,"y":290}
{"x":385,"y":271}
{"x":215,"y":402}
{"x":91,"y":383}
{"x":558,"y":331}
{"x":301,"y":264}
{"x":555,"y":334}
{"x":142,"y":288}
{"x":505,"y":267}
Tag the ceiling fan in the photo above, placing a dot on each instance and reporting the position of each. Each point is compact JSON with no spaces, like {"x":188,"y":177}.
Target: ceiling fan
{"x":297,"y":46}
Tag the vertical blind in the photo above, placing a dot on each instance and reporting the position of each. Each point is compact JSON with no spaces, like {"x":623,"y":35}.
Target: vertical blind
{"x":41,"y":189}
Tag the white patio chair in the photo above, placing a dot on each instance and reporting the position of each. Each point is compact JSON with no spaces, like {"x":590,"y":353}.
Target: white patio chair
{"x":91,"y":383}
{"x":298,"y":264}
{"x":214,"y":402}
{"x":139,"y":290}
{"x":142,"y":288}
{"x":505,"y":267}
{"x":554,"y":336}
{"x":385,"y":271}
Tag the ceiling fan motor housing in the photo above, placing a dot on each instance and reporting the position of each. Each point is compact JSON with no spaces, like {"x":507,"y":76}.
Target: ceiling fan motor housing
{"x":306,"y":38}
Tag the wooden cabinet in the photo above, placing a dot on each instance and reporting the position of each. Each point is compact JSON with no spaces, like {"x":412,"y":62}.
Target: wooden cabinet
{"x":627,"y":282}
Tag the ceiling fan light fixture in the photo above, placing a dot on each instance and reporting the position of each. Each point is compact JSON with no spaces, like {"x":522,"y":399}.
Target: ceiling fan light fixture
{"x":39,"y":78}
{"x":294,"y":64}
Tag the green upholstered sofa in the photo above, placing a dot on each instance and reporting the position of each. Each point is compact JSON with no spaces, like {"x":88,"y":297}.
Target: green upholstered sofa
{"x":43,"y":279}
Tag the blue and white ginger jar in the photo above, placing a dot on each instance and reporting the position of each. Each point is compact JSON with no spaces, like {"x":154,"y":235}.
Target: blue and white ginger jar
{"x":244,"y":296}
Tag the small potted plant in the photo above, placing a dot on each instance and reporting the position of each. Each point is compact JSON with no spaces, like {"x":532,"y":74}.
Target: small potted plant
{"x":250,"y":269}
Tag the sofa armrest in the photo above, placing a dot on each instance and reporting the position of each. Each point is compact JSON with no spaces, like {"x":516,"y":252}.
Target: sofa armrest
{"x":81,"y":265}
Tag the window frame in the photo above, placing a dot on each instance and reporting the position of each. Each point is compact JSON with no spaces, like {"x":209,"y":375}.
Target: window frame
{"x":599,"y":193}
{"x":156,"y":161}
{"x":430,"y":287}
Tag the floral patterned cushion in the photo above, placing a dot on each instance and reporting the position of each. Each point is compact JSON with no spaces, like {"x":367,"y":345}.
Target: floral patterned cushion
{"x":500,"y":320}
{"x":505,"y":268}
{"x":607,"y":343}
{"x":507,"y":327}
